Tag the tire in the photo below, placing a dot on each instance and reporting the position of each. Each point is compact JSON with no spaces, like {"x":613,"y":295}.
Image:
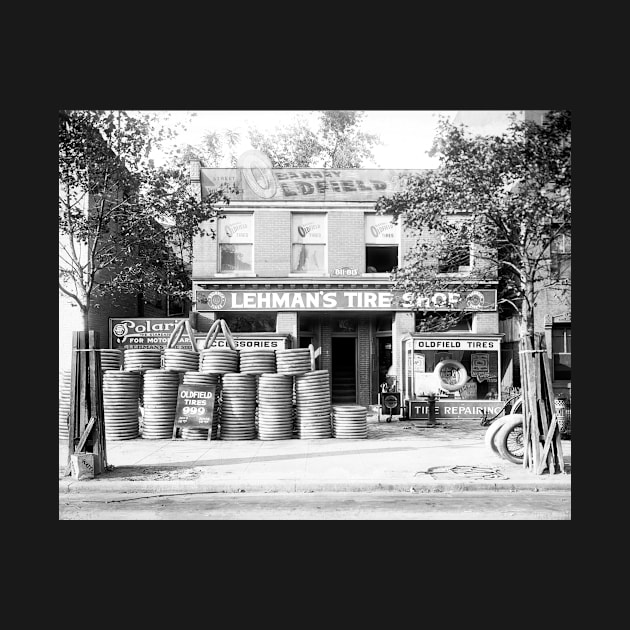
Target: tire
{"x":463,"y":375}
{"x":491,"y":433}
{"x":509,"y":439}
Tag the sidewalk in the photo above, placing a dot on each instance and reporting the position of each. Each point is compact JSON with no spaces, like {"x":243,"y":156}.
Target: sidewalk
{"x":396,"y":456}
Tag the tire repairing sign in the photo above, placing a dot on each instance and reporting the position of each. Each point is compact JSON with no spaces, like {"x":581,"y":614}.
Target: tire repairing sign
{"x":195,"y":407}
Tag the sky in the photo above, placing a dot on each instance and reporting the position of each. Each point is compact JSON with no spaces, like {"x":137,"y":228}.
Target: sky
{"x":406,"y":135}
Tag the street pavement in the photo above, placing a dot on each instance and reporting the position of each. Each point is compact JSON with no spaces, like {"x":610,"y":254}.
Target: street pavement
{"x":397,"y":456}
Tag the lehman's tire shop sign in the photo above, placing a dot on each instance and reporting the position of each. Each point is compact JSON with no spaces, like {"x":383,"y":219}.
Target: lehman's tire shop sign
{"x":341,"y":300}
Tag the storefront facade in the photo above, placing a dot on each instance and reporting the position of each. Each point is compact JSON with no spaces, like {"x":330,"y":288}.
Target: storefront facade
{"x":302,"y":253}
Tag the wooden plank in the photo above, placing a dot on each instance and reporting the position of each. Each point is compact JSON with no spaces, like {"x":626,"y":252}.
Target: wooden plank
{"x":526,"y":416}
{"x":559,"y":455}
{"x":72,"y":409}
{"x":97,"y":403}
{"x":552,"y":400}
{"x":85,"y":435}
{"x":534,"y":432}
{"x":84,"y":415}
{"x":546,"y":457}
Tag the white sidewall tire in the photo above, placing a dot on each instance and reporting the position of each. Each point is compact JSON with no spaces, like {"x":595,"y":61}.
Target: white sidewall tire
{"x":512,"y":421}
{"x":491,"y":433}
{"x":463,"y":374}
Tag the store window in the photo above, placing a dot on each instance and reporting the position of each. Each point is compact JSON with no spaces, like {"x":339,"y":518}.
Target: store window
{"x":561,"y":349}
{"x":308,"y":243}
{"x":444,"y":322}
{"x":236,"y":243}
{"x":250,"y":322}
{"x":482,"y":368}
{"x":561,"y":257}
{"x":382,"y":238}
{"x":455,"y":260}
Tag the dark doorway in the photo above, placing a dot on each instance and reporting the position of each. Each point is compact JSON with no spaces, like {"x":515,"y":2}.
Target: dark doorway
{"x":344,"y":375}
{"x":384,"y":358}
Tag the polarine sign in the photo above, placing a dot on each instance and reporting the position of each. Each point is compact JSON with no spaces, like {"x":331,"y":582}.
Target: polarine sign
{"x":154,"y":333}
{"x":322,"y":300}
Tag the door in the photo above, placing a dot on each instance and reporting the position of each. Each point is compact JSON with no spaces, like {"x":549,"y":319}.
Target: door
{"x":344,"y":370}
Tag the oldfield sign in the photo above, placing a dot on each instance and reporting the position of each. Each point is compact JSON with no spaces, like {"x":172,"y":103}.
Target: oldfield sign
{"x":341,"y":300}
{"x":258,"y":181}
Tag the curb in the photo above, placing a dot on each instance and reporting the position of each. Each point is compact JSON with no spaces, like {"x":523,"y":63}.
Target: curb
{"x":357,"y":485}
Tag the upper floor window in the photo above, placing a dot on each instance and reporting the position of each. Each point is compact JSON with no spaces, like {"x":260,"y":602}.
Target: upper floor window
{"x":561,"y":349}
{"x":561,"y":257}
{"x":236,"y":242}
{"x":382,"y":238}
{"x":308,"y":242}
{"x":455,"y":260}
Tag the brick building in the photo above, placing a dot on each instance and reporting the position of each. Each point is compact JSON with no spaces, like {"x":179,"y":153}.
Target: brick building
{"x":302,"y":252}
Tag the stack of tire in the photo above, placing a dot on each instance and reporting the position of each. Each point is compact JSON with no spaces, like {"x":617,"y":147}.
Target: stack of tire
{"x":64,"y":403}
{"x":349,"y":421}
{"x":111,"y":359}
{"x":142,"y":359}
{"x":218,"y":360}
{"x":275,"y":406}
{"x":312,"y":395}
{"x":257,"y":361}
{"x":238,"y":407}
{"x":121,"y":392}
{"x":181,"y":359}
{"x":160,"y":403}
{"x":294,"y":361}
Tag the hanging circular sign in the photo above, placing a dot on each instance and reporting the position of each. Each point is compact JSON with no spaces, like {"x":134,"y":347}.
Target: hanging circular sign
{"x":256,"y":169}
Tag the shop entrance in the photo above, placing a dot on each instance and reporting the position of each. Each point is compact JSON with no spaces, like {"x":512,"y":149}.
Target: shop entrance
{"x":344,"y":370}
{"x":385,"y":360}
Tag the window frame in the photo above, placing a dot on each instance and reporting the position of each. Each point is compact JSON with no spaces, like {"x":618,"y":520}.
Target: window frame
{"x":324,"y":270}
{"x":564,"y":328}
{"x":366,"y":244}
{"x":236,"y":273}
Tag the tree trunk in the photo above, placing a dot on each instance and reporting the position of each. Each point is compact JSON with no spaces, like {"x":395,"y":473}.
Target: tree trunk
{"x":527,"y":312}
{"x":84,"y":318}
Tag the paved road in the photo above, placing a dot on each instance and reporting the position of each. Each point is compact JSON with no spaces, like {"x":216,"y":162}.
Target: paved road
{"x":317,"y":506}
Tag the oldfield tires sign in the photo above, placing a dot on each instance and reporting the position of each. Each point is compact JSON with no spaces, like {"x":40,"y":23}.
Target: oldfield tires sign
{"x":341,"y":300}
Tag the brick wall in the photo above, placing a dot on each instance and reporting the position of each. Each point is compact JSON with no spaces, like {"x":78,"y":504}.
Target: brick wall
{"x":205,"y":252}
{"x":486,"y":323}
{"x":346,"y":246}
{"x":272,"y":243}
{"x":287,"y":323}
{"x":364,"y":342}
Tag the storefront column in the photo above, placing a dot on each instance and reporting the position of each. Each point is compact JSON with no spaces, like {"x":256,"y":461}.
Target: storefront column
{"x":326,"y":343}
{"x":402,"y":323}
{"x":365,"y":363}
{"x":287,"y":324}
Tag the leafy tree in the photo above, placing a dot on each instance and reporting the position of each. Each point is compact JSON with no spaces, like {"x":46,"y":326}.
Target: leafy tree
{"x":337,"y":143}
{"x":505,"y":199}
{"x":211,"y":150}
{"x":125,"y":226}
